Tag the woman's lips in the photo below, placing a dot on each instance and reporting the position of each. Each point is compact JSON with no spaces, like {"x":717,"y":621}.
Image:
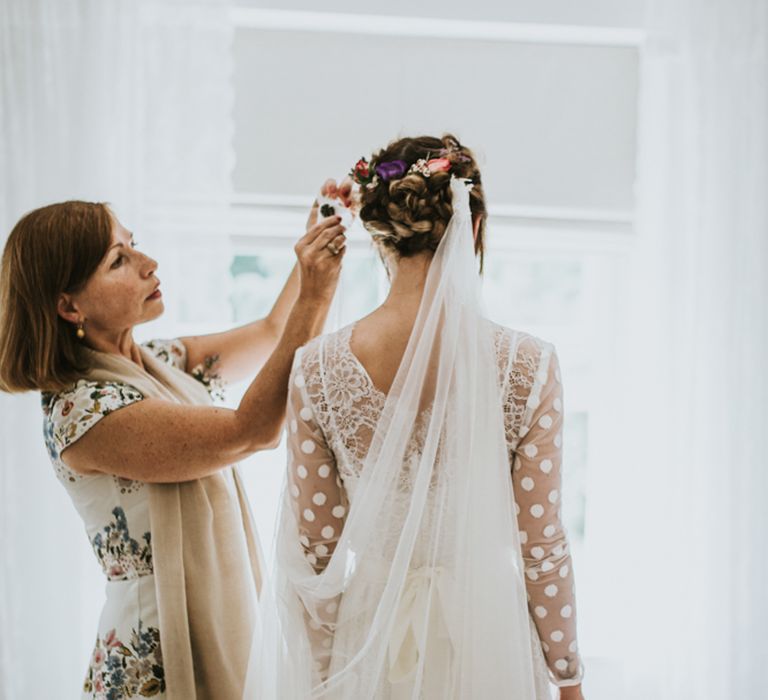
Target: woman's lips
{"x":156,"y":294}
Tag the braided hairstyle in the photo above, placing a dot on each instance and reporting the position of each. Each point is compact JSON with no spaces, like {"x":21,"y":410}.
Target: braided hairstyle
{"x":409,"y":215}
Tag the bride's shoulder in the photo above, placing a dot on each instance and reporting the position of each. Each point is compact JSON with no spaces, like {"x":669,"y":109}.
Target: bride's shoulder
{"x":325,"y":345}
{"x":522,"y":358}
{"x":525,"y":363}
{"x":518,"y":347}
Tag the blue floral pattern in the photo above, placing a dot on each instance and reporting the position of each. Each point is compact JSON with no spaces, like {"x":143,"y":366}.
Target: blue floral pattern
{"x":120,"y":670}
{"x":127,"y":660}
{"x":68,"y":415}
{"x":121,"y":556}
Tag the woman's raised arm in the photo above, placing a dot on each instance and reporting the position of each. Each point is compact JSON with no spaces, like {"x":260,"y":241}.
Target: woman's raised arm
{"x":240,"y":352}
{"x":159,"y":441}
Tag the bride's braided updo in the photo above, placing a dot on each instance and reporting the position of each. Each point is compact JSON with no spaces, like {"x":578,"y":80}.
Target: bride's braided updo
{"x":409,"y":214}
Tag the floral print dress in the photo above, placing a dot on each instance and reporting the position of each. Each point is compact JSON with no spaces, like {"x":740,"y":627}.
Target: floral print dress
{"x":127,"y":659}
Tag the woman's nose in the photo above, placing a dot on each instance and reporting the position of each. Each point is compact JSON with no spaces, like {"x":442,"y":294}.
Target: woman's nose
{"x":150,"y":266}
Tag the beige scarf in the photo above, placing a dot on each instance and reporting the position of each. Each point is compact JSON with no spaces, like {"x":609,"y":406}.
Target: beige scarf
{"x":207,"y":561}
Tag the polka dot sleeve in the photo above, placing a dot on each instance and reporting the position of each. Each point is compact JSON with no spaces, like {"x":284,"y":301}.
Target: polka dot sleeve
{"x":314,"y":482}
{"x":319,"y":503}
{"x":537,"y":460}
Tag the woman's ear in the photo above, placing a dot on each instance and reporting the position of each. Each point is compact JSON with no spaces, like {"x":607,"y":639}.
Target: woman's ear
{"x":67,"y":308}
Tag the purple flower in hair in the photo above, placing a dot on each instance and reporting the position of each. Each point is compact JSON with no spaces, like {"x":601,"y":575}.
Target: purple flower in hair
{"x":391,"y":170}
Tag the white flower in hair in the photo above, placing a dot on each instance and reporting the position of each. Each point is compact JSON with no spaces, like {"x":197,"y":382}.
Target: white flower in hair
{"x":420,"y":166}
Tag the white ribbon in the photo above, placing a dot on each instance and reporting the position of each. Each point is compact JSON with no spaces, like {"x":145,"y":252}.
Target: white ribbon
{"x":424,"y":589}
{"x":460,"y":189}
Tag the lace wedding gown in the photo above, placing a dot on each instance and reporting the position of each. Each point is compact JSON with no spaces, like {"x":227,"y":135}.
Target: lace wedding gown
{"x":333,"y":410}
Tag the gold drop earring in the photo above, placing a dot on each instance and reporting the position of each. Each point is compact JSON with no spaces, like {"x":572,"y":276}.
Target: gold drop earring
{"x":80,"y":330}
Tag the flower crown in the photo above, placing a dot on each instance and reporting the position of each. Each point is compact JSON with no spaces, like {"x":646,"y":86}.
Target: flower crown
{"x":395,"y":169}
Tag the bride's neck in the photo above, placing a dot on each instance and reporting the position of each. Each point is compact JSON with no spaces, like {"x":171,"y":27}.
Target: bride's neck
{"x":407,"y":279}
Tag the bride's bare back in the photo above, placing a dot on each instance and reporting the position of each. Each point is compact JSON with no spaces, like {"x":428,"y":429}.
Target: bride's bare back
{"x":380,"y":339}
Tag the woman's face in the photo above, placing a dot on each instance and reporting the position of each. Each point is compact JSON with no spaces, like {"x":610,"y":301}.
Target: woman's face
{"x":122,"y":292}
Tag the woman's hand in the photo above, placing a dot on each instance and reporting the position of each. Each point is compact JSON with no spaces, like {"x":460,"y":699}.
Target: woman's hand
{"x":342,"y":191}
{"x":572,"y":692}
{"x":319,"y":266}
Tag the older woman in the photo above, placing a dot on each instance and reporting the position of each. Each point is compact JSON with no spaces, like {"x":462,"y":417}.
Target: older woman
{"x":134,"y":437}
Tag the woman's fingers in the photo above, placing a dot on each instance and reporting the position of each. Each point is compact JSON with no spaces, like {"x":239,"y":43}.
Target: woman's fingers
{"x":328,"y":189}
{"x":338,"y":243}
{"x":326,"y":237}
{"x":319,"y":265}
{"x":317,"y":230}
{"x":334,"y":247}
{"x":342,"y":191}
{"x":312,"y":218}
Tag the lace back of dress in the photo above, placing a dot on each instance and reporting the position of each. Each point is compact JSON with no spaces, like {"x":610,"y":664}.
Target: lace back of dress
{"x":426,"y":574}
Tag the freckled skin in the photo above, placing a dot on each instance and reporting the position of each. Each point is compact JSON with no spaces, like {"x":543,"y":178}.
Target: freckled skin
{"x":163,"y":442}
{"x":115,"y":298}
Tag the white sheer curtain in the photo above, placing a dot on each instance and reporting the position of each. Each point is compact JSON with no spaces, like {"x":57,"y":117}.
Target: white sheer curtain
{"x":129,"y":102}
{"x":689,"y":537}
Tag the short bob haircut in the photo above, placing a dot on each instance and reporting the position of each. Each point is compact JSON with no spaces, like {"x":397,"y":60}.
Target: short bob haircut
{"x":51,"y":250}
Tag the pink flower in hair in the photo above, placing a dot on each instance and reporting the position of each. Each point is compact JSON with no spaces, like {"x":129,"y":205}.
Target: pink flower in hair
{"x":439,"y":165}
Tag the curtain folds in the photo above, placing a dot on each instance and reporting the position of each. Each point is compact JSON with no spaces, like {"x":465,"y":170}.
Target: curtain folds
{"x":128,"y":102}
{"x":692,"y":541}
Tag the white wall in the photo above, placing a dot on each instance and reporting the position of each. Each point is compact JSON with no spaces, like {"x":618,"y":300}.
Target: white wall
{"x":607,"y":13}
{"x":553,"y":124}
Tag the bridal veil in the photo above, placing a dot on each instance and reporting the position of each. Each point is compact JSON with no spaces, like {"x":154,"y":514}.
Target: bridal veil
{"x":424,"y":594}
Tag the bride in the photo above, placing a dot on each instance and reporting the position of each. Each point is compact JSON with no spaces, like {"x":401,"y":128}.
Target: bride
{"x":420,"y":551}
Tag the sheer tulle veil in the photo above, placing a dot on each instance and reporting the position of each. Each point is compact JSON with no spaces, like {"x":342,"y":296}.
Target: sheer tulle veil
{"x":424,"y":593}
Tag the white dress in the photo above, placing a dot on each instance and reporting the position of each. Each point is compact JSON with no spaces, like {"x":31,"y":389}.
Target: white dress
{"x":333,"y":409}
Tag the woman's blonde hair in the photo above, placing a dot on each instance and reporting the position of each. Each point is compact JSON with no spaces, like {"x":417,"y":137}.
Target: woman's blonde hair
{"x":51,"y":250}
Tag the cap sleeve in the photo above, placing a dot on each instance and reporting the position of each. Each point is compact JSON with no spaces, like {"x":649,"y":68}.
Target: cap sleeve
{"x":70,"y":414}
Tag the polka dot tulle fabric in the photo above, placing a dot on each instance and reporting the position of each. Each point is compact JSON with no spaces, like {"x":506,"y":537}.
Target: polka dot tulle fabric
{"x":322,"y":487}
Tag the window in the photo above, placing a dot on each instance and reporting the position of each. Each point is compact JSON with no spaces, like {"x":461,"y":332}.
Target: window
{"x":552,"y":117}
